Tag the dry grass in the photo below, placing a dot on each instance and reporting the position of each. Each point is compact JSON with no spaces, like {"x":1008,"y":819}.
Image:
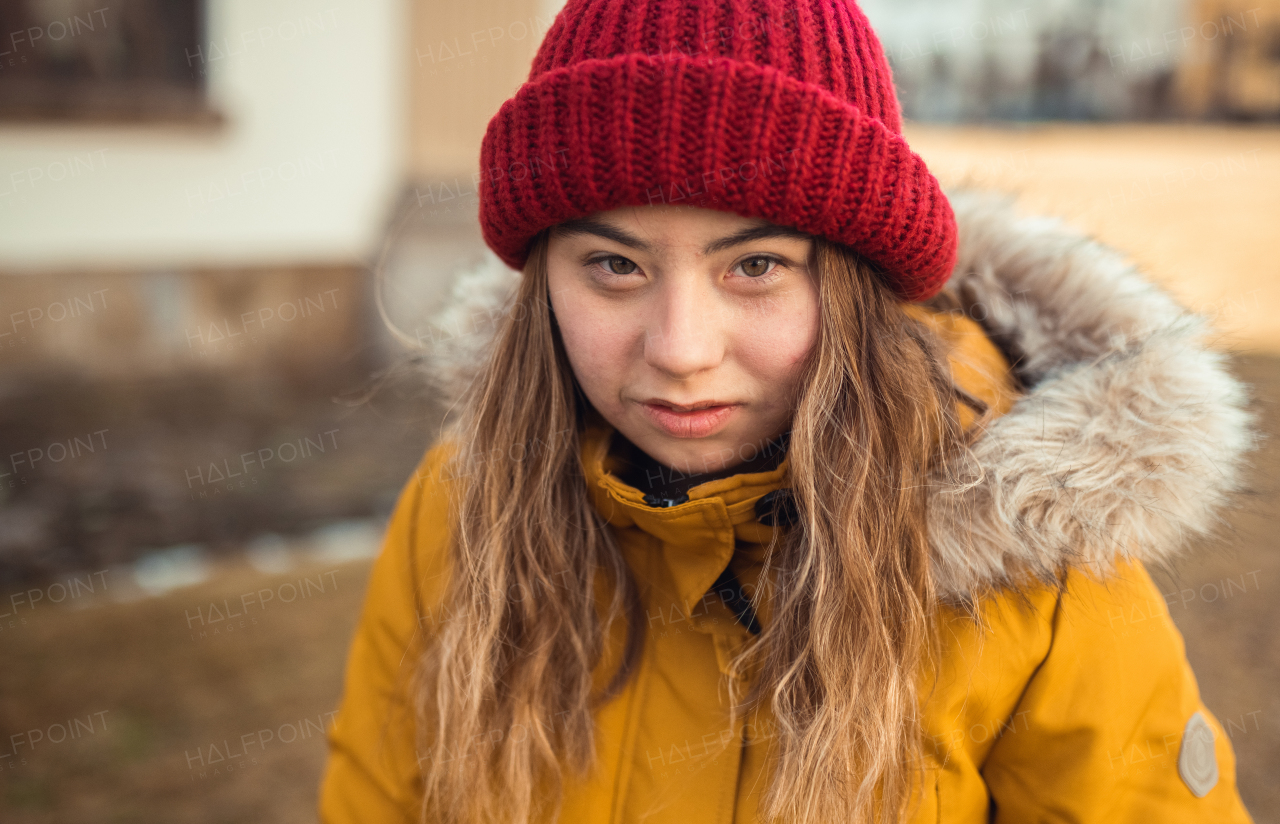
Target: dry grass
{"x":170,"y":696}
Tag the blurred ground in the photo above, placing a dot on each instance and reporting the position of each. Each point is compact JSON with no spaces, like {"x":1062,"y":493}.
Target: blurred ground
{"x":162,"y":711}
{"x":195,"y":460}
{"x":157,"y":712}
{"x":1223,"y":598}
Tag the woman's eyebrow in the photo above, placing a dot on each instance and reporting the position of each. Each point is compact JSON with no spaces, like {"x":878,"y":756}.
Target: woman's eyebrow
{"x":751,"y":233}
{"x":587,"y":226}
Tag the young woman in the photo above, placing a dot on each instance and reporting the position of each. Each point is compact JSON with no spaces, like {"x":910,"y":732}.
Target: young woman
{"x":781,"y":486}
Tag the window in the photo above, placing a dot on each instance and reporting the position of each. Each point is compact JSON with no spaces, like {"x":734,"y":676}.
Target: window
{"x":101,"y":60}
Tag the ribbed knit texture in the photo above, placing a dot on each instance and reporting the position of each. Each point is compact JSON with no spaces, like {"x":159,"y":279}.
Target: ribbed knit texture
{"x":778,"y":109}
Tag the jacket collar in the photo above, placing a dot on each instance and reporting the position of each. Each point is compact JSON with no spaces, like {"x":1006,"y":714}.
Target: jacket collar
{"x":697,"y":538}
{"x":1125,"y":437}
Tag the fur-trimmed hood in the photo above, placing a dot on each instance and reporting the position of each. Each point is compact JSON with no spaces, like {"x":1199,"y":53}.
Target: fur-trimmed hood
{"x":1129,"y":439}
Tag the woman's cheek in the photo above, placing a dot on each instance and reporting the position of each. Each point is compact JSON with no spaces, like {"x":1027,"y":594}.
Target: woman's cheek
{"x":596,"y":345}
{"x":775,"y":348}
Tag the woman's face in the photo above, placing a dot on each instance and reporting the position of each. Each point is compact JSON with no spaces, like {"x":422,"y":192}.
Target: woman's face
{"x":686,"y":327}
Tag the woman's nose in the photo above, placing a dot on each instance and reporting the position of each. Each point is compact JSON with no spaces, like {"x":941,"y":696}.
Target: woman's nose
{"x":683,"y":337}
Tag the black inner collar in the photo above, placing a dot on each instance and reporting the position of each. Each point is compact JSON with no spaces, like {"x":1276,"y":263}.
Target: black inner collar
{"x":660,"y":481}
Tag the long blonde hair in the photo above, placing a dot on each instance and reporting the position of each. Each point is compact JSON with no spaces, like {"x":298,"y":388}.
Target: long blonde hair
{"x":504,"y":688}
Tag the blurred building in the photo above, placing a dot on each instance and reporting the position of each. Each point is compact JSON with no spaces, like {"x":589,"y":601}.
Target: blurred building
{"x":1235,"y":74}
{"x":201,"y":202}
{"x":972,"y":60}
{"x":190,"y":197}
{"x":215,"y":175}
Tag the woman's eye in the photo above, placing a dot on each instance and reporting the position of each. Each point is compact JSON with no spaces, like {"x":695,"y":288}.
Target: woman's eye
{"x":618,"y":265}
{"x":757,"y":266}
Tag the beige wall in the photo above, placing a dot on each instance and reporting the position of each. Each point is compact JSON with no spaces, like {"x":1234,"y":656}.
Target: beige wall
{"x":1194,"y":205}
{"x":466,"y":58}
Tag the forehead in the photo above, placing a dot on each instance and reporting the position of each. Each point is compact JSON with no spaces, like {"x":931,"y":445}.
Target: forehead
{"x":664,"y":227}
{"x":667,"y":218}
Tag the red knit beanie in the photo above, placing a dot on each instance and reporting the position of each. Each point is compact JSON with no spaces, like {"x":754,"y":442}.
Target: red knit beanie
{"x":778,"y":109}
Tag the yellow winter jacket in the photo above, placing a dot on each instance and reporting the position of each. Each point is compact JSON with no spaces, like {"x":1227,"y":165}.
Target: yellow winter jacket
{"x":1064,"y":704}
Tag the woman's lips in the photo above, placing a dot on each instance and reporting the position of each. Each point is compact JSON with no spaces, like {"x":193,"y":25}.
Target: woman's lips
{"x":697,"y":423}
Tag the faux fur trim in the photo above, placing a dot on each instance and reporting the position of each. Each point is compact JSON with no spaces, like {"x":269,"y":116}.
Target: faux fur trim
{"x":1132,"y":433}
{"x":1130,"y":438}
